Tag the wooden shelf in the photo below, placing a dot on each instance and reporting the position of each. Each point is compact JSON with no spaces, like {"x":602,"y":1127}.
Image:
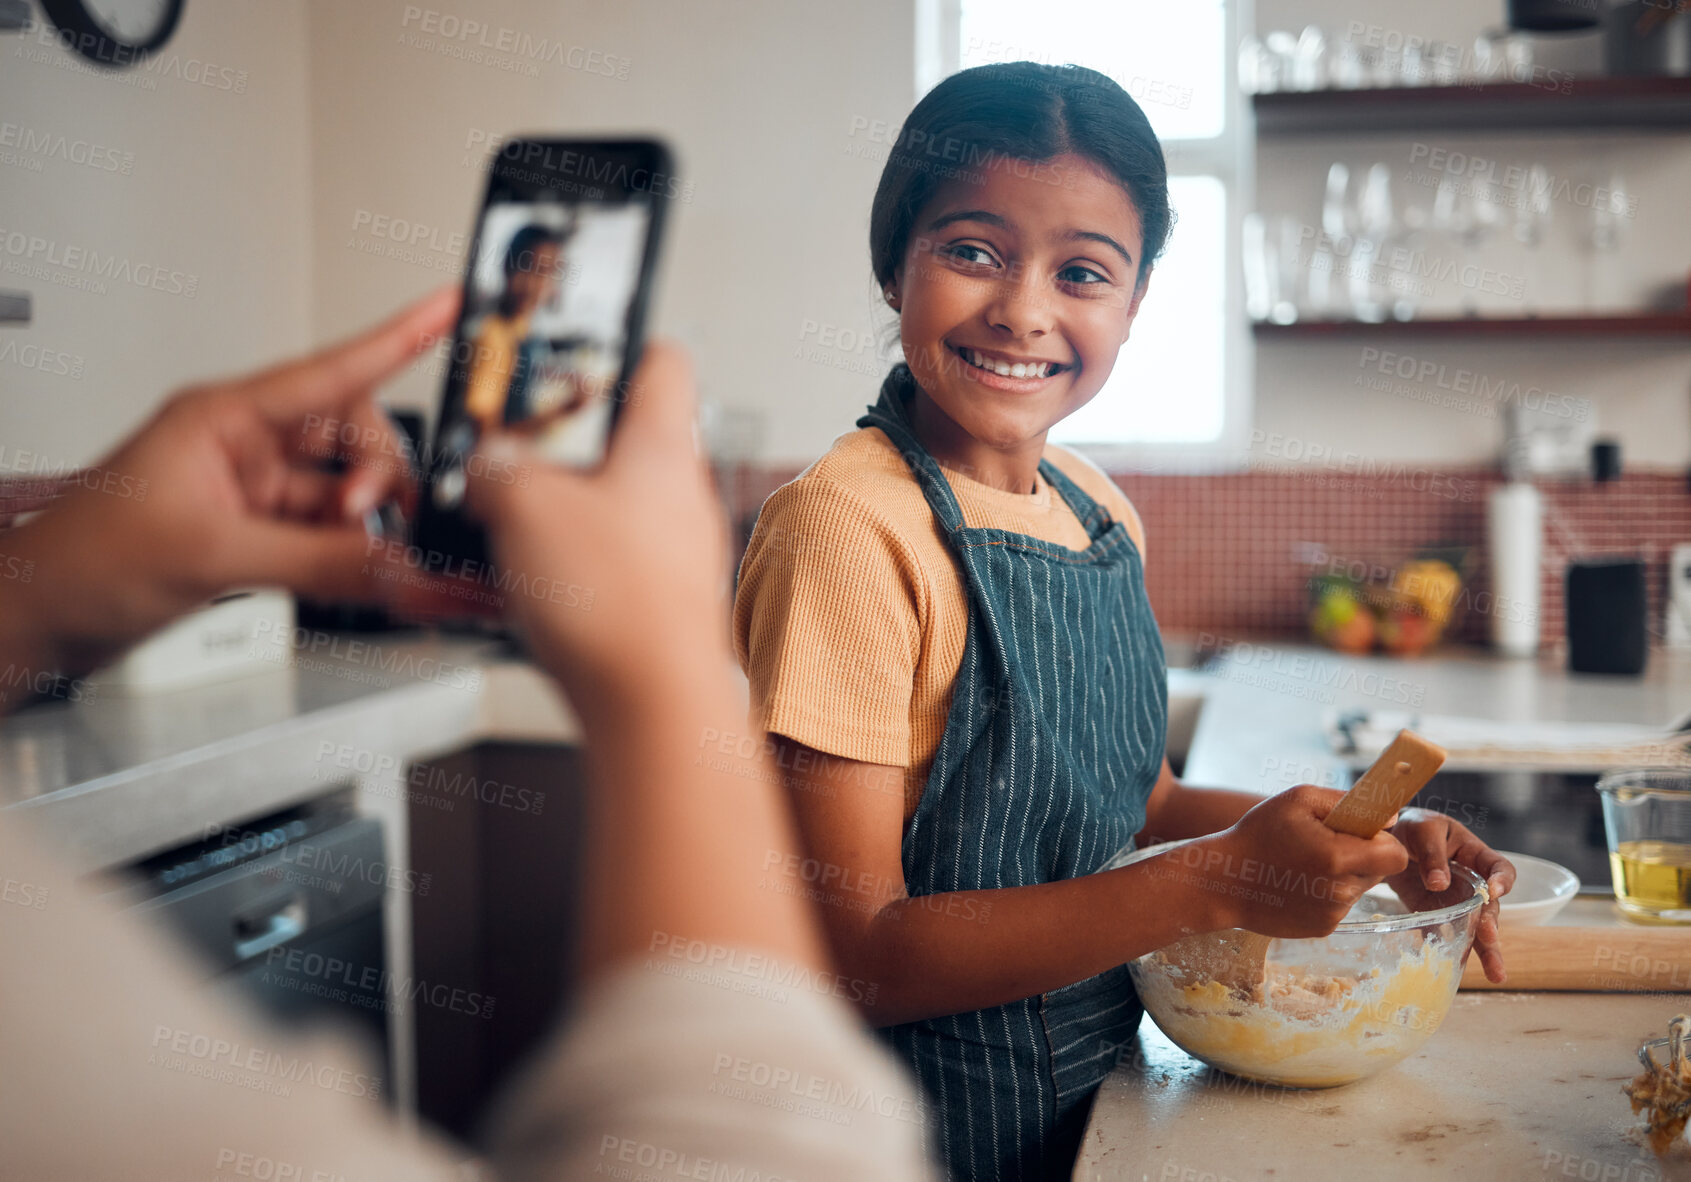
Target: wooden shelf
{"x":1635,"y":324}
{"x":1637,"y":104}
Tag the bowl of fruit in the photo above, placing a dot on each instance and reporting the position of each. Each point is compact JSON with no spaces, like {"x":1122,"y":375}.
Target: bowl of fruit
{"x":1358,"y":607}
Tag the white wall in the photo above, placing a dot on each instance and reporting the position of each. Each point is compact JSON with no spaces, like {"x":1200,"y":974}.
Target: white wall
{"x":1639,"y":389}
{"x":759,"y":99}
{"x":209,"y":194}
{"x":271,"y":199}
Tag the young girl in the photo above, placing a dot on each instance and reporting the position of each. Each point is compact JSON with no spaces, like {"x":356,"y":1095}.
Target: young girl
{"x":945,"y":626}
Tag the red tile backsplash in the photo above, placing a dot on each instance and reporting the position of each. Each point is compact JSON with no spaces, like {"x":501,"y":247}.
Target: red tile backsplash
{"x":1232,"y":553}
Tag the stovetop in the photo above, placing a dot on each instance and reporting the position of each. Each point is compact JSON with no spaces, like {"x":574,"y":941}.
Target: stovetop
{"x":1552,"y":815}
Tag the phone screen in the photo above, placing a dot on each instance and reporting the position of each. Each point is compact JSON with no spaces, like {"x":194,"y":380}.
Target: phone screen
{"x":554,"y":303}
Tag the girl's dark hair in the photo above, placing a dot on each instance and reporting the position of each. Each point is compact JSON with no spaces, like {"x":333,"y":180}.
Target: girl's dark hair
{"x":525,"y":243}
{"x":1002,"y":115}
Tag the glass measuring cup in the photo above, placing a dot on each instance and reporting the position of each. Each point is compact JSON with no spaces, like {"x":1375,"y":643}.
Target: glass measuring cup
{"x":1647,"y":815}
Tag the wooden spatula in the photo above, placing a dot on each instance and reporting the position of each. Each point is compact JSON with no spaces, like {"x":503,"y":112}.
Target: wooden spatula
{"x":1401,"y":771}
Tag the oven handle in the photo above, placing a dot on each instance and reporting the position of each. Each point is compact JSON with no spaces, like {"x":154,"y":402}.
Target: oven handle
{"x":276,"y":924}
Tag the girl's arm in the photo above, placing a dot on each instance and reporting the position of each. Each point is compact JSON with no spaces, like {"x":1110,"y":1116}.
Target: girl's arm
{"x":1177,"y":810}
{"x":907,"y":958}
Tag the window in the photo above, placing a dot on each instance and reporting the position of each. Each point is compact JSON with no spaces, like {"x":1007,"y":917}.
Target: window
{"x":1178,"y":396}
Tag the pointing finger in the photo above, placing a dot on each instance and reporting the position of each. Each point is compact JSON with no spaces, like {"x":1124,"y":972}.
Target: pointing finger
{"x":326,"y":380}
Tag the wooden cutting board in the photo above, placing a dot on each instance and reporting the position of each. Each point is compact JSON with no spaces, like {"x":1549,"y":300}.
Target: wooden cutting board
{"x":1617,"y":958}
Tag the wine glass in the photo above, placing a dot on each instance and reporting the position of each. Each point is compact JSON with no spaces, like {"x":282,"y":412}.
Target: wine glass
{"x":1309,"y":60}
{"x":1607,"y":213}
{"x":1254,"y":254}
{"x":1468,"y":219}
{"x":1375,"y":226}
{"x":1286,"y":289}
{"x":1612,"y":206}
{"x":1256,"y":68}
{"x":1532,"y":224}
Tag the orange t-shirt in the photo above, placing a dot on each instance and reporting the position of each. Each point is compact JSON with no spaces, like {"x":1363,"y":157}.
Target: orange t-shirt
{"x":850,"y":616}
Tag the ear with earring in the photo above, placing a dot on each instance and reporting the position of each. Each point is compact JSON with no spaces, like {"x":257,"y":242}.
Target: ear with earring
{"x":892,"y":297}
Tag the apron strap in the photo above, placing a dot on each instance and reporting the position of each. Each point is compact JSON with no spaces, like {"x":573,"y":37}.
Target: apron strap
{"x":1093,"y":516}
{"x":891,"y":414}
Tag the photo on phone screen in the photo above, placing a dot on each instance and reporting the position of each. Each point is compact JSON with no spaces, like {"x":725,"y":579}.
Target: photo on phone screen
{"x":554,"y":304}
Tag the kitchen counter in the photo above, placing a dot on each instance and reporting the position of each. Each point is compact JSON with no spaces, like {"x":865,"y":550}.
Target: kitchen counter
{"x":116,"y":778}
{"x":110,"y":779}
{"x":1260,"y":727}
{"x":1515,"y":1085}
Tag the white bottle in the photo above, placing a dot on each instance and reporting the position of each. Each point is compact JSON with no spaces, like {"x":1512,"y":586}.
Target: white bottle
{"x":1515,"y":517}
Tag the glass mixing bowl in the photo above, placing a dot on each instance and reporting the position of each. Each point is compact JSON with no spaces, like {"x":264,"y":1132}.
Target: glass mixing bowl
{"x":1326,"y":1011}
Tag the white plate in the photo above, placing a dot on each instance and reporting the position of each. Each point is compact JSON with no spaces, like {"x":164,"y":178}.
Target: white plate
{"x":1541,"y":890}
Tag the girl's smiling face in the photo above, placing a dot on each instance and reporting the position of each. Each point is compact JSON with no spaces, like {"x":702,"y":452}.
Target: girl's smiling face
{"x":1015,"y":294}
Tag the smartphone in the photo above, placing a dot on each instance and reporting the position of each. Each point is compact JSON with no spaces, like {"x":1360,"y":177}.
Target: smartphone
{"x":555,"y":295}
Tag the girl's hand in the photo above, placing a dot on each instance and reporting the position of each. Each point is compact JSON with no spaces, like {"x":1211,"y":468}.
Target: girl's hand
{"x":1282,"y":872}
{"x":1435,"y":840}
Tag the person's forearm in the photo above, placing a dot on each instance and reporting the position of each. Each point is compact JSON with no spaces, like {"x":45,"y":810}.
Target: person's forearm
{"x":950,"y":953}
{"x":1192,"y":812}
{"x":680,"y":842}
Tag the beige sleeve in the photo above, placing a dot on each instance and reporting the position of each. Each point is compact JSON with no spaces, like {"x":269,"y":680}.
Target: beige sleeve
{"x":727,"y":1069}
{"x":120,"y":1062}
{"x":828,"y":624}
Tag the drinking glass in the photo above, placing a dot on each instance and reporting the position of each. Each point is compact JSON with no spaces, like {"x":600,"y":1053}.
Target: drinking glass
{"x":1647,"y":816}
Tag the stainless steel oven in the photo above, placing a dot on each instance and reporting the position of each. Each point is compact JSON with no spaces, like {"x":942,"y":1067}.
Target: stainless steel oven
{"x":285,"y":909}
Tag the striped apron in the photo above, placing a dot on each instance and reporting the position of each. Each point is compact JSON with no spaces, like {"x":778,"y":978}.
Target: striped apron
{"x":1053,"y":743}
